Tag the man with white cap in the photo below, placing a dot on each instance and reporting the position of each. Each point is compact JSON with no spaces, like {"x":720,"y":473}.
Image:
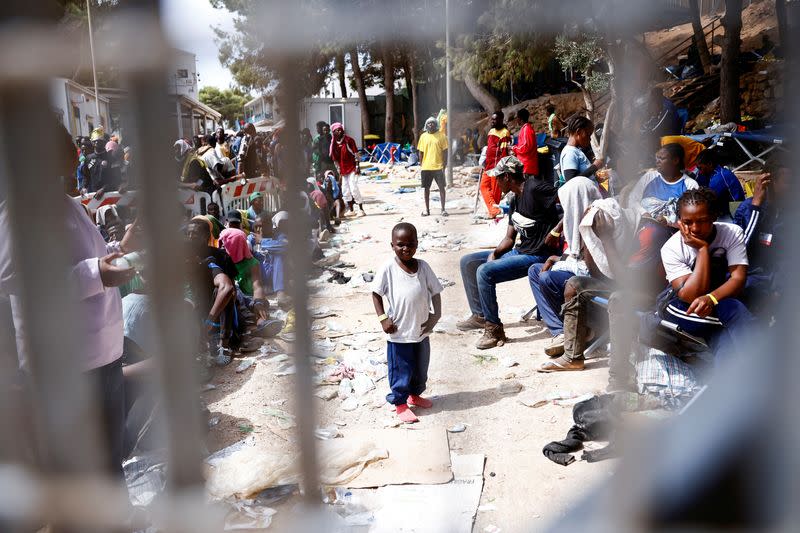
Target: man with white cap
{"x":345,"y":155}
{"x":432,"y":147}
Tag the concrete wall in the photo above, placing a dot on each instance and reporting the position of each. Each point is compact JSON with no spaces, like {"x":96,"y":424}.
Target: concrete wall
{"x":75,"y":107}
{"x":314,"y":110}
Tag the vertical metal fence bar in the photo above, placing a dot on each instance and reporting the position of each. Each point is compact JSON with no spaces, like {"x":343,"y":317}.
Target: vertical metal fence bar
{"x":160,"y":216}
{"x":64,"y":409}
{"x":65,"y":418}
{"x":299,"y":269}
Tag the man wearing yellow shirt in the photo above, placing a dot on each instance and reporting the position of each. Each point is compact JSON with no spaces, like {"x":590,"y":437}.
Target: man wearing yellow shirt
{"x":432,"y":147}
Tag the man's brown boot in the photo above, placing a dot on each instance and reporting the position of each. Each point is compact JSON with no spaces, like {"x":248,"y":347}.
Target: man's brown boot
{"x":493,"y":335}
{"x":473,"y":322}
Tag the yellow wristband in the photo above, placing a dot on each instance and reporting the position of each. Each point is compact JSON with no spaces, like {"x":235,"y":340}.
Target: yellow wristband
{"x":383,"y":317}
{"x":713,"y":299}
{"x":554,"y":233}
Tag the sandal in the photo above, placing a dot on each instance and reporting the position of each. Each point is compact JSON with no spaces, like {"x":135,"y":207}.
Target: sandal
{"x":561,"y":364}
{"x":424,"y":214}
{"x":445,"y":213}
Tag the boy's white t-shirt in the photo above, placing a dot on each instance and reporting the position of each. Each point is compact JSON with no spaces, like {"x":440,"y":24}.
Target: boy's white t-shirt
{"x":679,"y":258}
{"x":408,"y":297}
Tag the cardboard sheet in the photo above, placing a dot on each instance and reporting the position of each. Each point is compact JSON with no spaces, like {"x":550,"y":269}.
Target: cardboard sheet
{"x":449,"y":507}
{"x":420,"y":456}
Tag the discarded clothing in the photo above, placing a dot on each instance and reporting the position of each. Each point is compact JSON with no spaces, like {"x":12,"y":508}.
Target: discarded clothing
{"x":593,"y":421}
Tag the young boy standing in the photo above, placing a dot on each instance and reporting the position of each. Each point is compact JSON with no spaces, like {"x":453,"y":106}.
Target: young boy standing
{"x":410,"y":288}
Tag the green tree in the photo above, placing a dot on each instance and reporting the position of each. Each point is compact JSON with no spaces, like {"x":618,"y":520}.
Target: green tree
{"x":582,"y":58}
{"x":228,"y":102}
{"x":496,"y":55}
{"x":255,"y":61}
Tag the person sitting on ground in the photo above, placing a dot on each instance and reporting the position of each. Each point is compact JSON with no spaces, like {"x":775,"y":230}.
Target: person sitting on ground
{"x":657,"y":191}
{"x":554,"y":123}
{"x":319,"y":205}
{"x":432,"y":147}
{"x":722,"y":181}
{"x":248,"y":272}
{"x":622,"y":255}
{"x":234,"y":219}
{"x":497,"y":143}
{"x":256,"y":208}
{"x":273,"y":246}
{"x":333,"y":192}
{"x":526,"y":149}
{"x":344,"y":153}
{"x":573,"y":162}
{"x":762,"y":219}
{"x":411,"y":289}
{"x":213,"y":293}
{"x":532,"y":215}
{"x":706,"y":266}
{"x":548,"y":278}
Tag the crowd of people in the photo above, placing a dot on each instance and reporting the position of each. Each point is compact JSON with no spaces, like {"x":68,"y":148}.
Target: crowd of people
{"x":680,"y":244}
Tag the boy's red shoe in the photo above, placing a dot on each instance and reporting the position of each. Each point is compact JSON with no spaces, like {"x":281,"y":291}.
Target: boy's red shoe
{"x":419,"y":401}
{"x":406,"y":415}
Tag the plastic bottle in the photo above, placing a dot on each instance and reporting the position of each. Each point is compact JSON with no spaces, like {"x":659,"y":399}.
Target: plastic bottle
{"x":132,"y":260}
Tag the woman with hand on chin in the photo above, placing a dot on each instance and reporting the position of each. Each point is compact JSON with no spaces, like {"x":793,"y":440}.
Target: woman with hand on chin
{"x":706,"y":266}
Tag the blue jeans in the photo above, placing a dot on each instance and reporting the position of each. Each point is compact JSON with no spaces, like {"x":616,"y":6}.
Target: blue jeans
{"x":480,"y":278}
{"x":408,"y":369}
{"x":548,"y":290}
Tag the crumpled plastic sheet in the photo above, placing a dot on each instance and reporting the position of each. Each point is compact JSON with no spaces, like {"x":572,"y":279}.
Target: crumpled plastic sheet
{"x":251,"y":469}
{"x":255,"y":513}
{"x":145,"y":477}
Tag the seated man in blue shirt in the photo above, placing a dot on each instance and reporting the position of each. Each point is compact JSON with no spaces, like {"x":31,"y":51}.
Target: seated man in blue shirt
{"x":719,"y":179}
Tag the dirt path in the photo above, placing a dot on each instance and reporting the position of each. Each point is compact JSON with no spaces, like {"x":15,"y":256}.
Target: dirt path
{"x":527,"y":491}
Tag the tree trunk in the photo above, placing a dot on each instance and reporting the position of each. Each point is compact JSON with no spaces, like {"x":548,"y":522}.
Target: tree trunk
{"x":489,"y":103}
{"x":388,"y":84}
{"x":411,"y":76}
{"x":729,"y":70}
{"x":780,"y":14}
{"x":699,"y":37}
{"x":362,"y":91}
{"x":340,"y":70}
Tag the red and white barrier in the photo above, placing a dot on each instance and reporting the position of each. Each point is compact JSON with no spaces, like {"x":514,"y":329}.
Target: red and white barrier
{"x":194,"y":201}
{"x":109,"y":198}
{"x":234,"y":196}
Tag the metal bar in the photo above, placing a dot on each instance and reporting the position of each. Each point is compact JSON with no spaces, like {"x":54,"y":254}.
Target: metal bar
{"x":41,"y":249}
{"x":299,"y":260}
{"x":94,"y":65}
{"x":449,"y":95}
{"x":174,"y":355}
